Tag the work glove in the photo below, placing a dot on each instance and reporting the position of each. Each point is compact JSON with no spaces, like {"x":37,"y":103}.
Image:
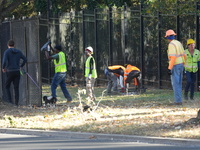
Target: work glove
{"x":169,"y":72}
{"x":122,"y":89}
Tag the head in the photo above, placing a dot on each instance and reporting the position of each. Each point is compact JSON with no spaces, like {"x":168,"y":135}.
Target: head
{"x":11,"y":43}
{"x":58,"y":48}
{"x":170,"y":35}
{"x":191,"y":43}
{"x":89,"y":50}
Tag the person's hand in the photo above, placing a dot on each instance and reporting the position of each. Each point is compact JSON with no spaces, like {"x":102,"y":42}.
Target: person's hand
{"x":3,"y":70}
{"x":122,"y":89}
{"x":89,"y":76}
{"x":169,"y":72}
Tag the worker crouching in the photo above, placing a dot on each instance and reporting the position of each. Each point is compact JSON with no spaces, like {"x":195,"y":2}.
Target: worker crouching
{"x":132,"y":73}
{"x":113,"y":73}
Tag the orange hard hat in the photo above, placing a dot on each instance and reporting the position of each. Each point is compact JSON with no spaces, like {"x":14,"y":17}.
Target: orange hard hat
{"x":170,"y":32}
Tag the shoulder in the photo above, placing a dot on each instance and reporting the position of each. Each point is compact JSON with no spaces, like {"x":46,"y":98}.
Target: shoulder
{"x":6,"y":51}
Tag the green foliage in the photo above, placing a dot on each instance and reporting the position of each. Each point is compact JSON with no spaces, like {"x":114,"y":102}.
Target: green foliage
{"x":169,"y":6}
{"x":25,"y":9}
{"x":40,"y":6}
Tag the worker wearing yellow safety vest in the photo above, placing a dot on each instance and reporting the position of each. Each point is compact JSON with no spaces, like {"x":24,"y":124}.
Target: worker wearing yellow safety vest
{"x":191,"y":68}
{"x":90,"y":74}
{"x":113,"y":73}
{"x":60,"y":72}
{"x":176,"y":65}
{"x":132,"y":72}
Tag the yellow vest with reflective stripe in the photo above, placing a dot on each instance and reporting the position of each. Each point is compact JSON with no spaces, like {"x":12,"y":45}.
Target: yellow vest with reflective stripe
{"x":192,"y":61}
{"x":176,"y":49}
{"x":60,"y":66}
{"x":87,"y":68}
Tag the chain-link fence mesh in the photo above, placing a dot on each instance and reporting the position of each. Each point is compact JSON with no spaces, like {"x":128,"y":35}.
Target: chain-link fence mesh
{"x":25,"y":34}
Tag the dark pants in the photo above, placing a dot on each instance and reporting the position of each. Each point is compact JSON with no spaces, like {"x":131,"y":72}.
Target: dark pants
{"x":13,"y":77}
{"x":191,"y":78}
{"x":133,"y":74}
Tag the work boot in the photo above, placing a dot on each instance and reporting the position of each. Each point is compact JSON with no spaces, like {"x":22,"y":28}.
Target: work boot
{"x":186,"y":95}
{"x":191,"y":96}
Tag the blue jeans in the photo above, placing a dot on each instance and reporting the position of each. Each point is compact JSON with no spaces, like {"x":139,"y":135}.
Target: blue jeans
{"x":112,"y":82}
{"x":176,"y":80}
{"x":59,"y":79}
{"x":191,"y":78}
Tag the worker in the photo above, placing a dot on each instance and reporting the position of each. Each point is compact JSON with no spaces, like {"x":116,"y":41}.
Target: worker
{"x":90,"y":74}
{"x":176,"y":58}
{"x":59,"y":60}
{"x":113,"y":73}
{"x":132,"y":72}
{"x":191,"y":68}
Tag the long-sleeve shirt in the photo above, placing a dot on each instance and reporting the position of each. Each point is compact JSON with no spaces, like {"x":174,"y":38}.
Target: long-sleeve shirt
{"x":11,"y":60}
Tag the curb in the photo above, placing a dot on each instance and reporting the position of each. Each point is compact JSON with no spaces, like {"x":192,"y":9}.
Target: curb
{"x":113,"y":137}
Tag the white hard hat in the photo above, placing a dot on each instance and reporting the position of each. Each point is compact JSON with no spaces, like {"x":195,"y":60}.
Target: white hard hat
{"x":89,"y":48}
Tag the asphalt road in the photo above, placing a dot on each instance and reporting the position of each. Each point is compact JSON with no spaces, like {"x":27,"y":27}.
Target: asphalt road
{"x":37,"y":142}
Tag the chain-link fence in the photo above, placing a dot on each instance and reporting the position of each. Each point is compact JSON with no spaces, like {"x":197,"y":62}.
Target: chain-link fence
{"x":26,"y":36}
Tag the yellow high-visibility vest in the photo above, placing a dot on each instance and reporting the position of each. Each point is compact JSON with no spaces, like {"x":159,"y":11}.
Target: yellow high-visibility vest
{"x":60,"y":66}
{"x":176,"y":49}
{"x":87,"y":68}
{"x":191,"y":64}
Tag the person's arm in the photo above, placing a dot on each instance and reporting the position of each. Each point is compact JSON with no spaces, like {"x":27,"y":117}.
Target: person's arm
{"x":49,"y":50}
{"x":24,"y":60}
{"x":171,"y":55}
{"x":4,"y":62}
{"x":172,"y":60}
{"x":91,"y":65}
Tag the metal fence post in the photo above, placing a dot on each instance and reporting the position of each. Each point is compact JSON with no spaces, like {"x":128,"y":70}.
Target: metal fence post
{"x":110,"y":37}
{"x":159,"y":50}
{"x":177,"y":23}
{"x":83,"y":34}
{"x":197,"y":38}
{"x":125,"y":33}
{"x":141,"y":44}
{"x":95,"y":42}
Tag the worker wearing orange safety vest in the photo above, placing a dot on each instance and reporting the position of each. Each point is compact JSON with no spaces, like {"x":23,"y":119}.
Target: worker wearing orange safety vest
{"x":176,"y":58}
{"x":113,"y":73}
{"x":132,"y":72}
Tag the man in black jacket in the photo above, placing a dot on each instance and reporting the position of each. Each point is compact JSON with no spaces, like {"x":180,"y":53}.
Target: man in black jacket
{"x":11,"y":66}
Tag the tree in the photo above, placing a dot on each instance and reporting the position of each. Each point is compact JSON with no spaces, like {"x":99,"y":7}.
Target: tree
{"x":6,"y":7}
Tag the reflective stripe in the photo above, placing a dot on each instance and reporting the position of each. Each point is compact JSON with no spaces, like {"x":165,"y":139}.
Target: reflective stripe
{"x":189,"y":66}
{"x":181,"y":55}
{"x":60,"y":64}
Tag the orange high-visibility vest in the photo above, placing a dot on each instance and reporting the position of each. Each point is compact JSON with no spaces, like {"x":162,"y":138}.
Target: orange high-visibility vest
{"x":128,"y":69}
{"x":115,"y":67}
